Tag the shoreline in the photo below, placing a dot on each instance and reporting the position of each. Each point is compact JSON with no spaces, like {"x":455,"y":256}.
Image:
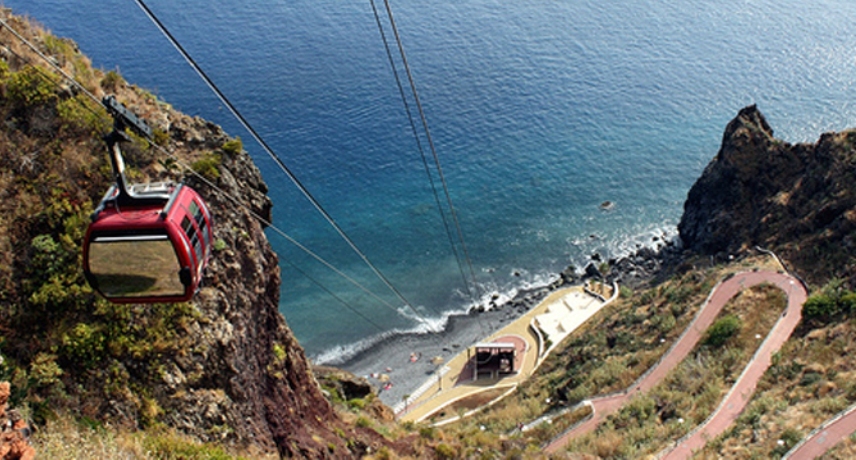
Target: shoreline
{"x":387,"y":364}
{"x":392,"y":356}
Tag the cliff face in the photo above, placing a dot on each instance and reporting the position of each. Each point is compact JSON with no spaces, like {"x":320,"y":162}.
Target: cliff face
{"x":245,"y":377}
{"x":796,"y":199}
{"x":224,"y":367}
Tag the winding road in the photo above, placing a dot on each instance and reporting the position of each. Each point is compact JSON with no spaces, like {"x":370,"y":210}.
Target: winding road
{"x":740,"y":393}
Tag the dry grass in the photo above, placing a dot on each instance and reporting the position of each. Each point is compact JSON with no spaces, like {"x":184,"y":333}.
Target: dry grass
{"x":64,"y":439}
{"x":692,"y":391}
{"x":844,"y":450}
{"x":811,"y":380}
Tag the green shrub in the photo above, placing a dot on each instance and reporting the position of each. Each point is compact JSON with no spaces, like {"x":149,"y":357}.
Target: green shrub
{"x":722,"y":330}
{"x":168,"y":446}
{"x":444,"y":450}
{"x":666,"y":323}
{"x":678,"y":295}
{"x":58,"y":46}
{"x":79,"y":115}
{"x":279,"y":353}
{"x":363,"y":422}
{"x":160,"y":137}
{"x":208,"y":166}
{"x":46,"y":256}
{"x":111,"y":81}
{"x":847,"y":302}
{"x":790,"y":437}
{"x":44,"y":371}
{"x":820,"y":306}
{"x":357,"y":403}
{"x":830,"y":302}
{"x":220,"y":245}
{"x":810,"y":378}
{"x":427,"y":432}
{"x":30,"y":87}
{"x":233,"y":146}
{"x":84,"y":344}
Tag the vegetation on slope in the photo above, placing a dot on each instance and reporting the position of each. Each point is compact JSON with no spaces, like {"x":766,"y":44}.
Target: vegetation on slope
{"x":607,"y":355}
{"x":809,"y":382}
{"x":811,"y":379}
{"x":56,"y":334}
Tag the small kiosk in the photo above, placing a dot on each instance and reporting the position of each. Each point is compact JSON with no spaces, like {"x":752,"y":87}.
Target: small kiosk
{"x":493,"y":360}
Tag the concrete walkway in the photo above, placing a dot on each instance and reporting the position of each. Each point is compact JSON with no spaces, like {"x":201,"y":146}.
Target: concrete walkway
{"x":558,"y":315}
{"x":825,"y":437}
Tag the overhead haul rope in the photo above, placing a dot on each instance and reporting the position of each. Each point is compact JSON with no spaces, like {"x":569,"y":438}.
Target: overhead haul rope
{"x":315,"y":203}
{"x":471,"y":288}
{"x":419,"y":147}
{"x":235,"y":201}
{"x":429,"y":139}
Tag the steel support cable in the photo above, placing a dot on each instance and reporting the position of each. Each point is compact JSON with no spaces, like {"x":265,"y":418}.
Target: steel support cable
{"x":280,"y":232}
{"x":471,"y":288}
{"x":315,"y":203}
{"x":430,"y":141}
{"x":421,"y":150}
{"x":235,"y":201}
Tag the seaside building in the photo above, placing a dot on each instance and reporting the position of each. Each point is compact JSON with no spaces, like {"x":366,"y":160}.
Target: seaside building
{"x":493,"y":360}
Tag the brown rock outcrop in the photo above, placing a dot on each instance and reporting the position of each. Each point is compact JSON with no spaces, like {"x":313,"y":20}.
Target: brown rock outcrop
{"x":797,"y":199}
{"x":246,"y":379}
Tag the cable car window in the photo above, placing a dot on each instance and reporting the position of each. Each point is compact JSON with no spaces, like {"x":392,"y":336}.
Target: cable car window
{"x":135,"y":266}
{"x":199,"y":217}
{"x":190,"y":230}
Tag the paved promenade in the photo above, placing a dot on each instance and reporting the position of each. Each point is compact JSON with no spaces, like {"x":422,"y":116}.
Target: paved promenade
{"x":825,"y":437}
{"x":557,"y":315}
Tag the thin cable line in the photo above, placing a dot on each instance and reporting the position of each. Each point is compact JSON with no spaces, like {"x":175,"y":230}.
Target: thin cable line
{"x":420,"y":148}
{"x":470,"y":288}
{"x":430,"y":141}
{"x":335,"y":296}
{"x":275,"y":157}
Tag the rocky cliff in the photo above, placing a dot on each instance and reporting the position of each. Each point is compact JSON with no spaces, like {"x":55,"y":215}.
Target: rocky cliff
{"x":797,"y":199}
{"x":245,"y":377}
{"x":223,"y":367}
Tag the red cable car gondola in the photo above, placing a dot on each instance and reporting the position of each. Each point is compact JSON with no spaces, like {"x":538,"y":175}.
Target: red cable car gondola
{"x":149,"y":242}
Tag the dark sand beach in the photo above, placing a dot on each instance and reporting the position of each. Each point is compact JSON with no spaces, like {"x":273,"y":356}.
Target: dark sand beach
{"x":393,"y":356}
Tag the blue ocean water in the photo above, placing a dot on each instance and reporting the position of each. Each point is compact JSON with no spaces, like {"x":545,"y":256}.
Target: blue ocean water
{"x":540,"y":111}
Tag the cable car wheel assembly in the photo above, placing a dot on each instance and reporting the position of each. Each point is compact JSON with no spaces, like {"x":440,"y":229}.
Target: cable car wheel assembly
{"x":146,"y":242}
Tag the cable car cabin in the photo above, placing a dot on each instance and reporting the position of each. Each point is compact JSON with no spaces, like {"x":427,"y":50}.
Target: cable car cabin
{"x":150,"y":249}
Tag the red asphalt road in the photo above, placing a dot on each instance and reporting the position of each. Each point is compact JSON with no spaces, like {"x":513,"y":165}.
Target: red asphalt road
{"x":743,"y":388}
{"x":825,"y":438}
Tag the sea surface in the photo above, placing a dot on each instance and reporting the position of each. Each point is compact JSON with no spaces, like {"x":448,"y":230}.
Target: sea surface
{"x":539,"y":112}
